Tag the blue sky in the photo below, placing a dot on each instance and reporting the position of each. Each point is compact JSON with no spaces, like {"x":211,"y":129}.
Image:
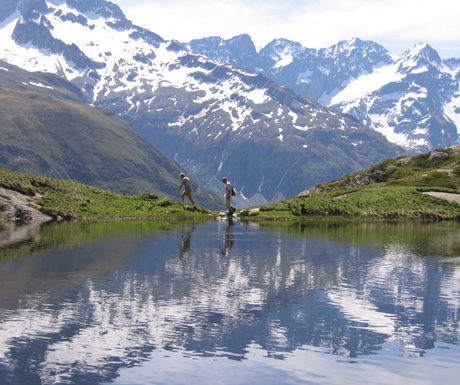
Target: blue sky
{"x":395,"y":24}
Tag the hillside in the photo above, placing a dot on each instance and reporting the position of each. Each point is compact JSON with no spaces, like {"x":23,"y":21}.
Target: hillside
{"x":424,"y":186}
{"x":29,"y":197}
{"x":46,"y":129}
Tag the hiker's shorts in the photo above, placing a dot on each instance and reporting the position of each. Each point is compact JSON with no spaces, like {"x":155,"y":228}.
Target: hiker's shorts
{"x":188,"y":192}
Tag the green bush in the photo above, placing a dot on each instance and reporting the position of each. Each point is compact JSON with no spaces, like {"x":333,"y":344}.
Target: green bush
{"x":436,"y":179}
{"x":145,"y":196}
{"x":165,"y":202}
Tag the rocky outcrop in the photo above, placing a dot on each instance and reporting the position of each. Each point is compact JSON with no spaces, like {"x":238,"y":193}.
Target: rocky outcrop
{"x":20,"y":207}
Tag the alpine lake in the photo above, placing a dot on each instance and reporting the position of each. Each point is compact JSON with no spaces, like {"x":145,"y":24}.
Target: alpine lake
{"x":230,"y":302}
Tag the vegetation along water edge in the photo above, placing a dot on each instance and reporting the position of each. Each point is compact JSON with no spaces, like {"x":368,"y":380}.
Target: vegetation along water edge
{"x":424,"y":186}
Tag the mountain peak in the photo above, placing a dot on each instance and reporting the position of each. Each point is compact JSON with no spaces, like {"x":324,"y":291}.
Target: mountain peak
{"x":103,"y":8}
{"x":243,"y":37}
{"x":234,"y":50}
{"x":286,"y":43}
{"x":356,"y":46}
{"x":423,"y":52}
{"x":283,"y":52}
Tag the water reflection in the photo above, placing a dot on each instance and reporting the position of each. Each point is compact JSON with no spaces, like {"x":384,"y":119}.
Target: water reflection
{"x":228,"y":237}
{"x":185,"y":240}
{"x":114,"y":294}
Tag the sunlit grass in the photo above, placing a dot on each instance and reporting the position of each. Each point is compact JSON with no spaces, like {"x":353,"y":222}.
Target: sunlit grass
{"x":65,"y":199}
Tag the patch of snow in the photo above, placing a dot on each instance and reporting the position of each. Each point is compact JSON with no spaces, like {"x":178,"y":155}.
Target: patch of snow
{"x":367,"y":84}
{"x":285,"y":58}
{"x":452,"y":110}
{"x":294,"y":116}
{"x":41,"y":85}
{"x":179,"y":123}
{"x":258,"y":96}
{"x":305,"y":128}
{"x":261,"y":184}
{"x":380,"y":124}
{"x":202,"y":113}
{"x":420,"y":131}
{"x":420,"y":70}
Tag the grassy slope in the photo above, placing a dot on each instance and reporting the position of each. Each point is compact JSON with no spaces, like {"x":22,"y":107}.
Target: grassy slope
{"x":59,"y":198}
{"x":68,"y":140}
{"x":392,"y":189}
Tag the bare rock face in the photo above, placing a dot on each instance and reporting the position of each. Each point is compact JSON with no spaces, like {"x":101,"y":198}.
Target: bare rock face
{"x":304,"y":194}
{"x":20,"y":207}
{"x":438,"y":156}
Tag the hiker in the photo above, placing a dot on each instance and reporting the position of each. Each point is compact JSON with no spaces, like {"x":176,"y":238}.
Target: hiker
{"x":228,"y":196}
{"x":185,"y":181}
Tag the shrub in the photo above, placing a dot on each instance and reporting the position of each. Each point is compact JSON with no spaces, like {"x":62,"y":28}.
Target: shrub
{"x":145,"y":196}
{"x":436,"y":179}
{"x":165,"y":202}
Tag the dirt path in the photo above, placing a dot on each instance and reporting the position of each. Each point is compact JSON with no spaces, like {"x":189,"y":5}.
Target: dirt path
{"x":449,"y":196}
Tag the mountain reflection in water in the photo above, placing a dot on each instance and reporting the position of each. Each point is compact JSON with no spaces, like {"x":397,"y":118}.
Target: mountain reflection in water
{"x":81,"y":301}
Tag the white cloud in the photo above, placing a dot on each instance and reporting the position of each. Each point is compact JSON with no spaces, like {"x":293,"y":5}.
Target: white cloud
{"x":313,"y":23}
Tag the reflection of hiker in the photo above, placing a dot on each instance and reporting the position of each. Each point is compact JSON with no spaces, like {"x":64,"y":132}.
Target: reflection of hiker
{"x":185,"y":181}
{"x":228,"y":239}
{"x":228,"y":196}
{"x":186,"y":241}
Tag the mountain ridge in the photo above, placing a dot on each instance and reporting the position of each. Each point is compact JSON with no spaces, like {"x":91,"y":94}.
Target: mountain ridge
{"x":412,"y":99}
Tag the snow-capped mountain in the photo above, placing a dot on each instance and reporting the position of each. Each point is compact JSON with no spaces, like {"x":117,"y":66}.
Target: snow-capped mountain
{"x":412,"y":99}
{"x":213,"y":118}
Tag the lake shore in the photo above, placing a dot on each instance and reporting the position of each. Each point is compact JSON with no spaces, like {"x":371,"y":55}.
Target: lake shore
{"x":17,"y":206}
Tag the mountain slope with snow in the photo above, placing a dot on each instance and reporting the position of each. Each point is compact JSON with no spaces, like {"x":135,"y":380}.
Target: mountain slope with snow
{"x":47,"y":129}
{"x":412,"y":99}
{"x":213,"y":118}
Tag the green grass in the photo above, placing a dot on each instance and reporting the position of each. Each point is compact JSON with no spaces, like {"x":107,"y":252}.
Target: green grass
{"x":403,"y":202}
{"x":392,"y":189}
{"x":64,"y":199}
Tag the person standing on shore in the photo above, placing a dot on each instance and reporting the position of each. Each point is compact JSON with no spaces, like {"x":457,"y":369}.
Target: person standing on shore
{"x":228,"y":196}
{"x":185,"y":181}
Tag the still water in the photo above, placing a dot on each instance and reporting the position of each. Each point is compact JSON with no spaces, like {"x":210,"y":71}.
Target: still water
{"x":146,"y":302}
